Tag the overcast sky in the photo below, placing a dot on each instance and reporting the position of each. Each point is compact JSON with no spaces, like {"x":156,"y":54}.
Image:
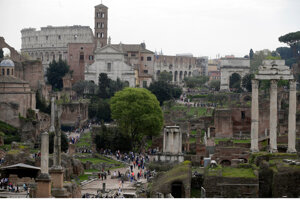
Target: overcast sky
{"x":200,"y":27}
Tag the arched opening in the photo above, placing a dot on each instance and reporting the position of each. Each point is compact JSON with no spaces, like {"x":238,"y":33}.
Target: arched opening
{"x":180,"y":76}
{"x":235,"y":82}
{"x":157,"y":73}
{"x":126,"y":84}
{"x":244,"y":159}
{"x":171,"y":74}
{"x":225,"y":163}
{"x":185,"y":74}
{"x":190,"y":74}
{"x":175,"y":76}
{"x":177,"y":190}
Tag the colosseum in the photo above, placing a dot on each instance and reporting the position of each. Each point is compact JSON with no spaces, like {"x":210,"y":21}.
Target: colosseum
{"x":51,"y":43}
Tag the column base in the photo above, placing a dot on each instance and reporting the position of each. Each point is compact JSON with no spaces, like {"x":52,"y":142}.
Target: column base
{"x":273,"y":150}
{"x":57,"y":176}
{"x":291,"y":151}
{"x":254,"y":150}
{"x":60,"y":193}
{"x":43,"y":189}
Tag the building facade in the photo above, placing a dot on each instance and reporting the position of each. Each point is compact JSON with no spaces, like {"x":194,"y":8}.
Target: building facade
{"x":51,"y":43}
{"x":180,"y":66}
{"x":110,"y":60}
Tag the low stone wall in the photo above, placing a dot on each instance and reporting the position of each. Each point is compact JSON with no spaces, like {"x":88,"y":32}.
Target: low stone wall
{"x":167,"y":158}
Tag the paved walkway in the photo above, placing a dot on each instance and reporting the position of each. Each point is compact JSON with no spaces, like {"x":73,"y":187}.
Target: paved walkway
{"x":112,"y":184}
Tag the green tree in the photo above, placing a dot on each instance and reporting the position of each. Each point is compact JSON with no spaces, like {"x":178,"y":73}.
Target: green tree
{"x":108,"y":87}
{"x":215,"y":84}
{"x":257,"y":59}
{"x":164,"y":91}
{"x":196,"y":81}
{"x":84,"y":87}
{"x":251,"y":53}
{"x":64,"y":142}
{"x":246,"y":82}
{"x":99,"y":109}
{"x":165,"y":76}
{"x":41,"y":103}
{"x":55,"y":73}
{"x":137,"y":113}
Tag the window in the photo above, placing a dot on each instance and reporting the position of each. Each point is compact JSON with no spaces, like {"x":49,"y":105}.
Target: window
{"x":102,"y":35}
{"x":142,"y":58}
{"x":149,"y":58}
{"x":132,"y":54}
{"x":3,"y":72}
{"x":91,"y":57}
{"x":102,"y":15}
{"x":29,"y":39}
{"x":81,"y":48}
{"x":98,"y":15}
{"x":12,"y":71}
{"x":36,"y":38}
{"x":108,"y":67}
{"x":46,"y":37}
{"x":243,"y":114}
{"x":53,"y":57}
{"x":59,"y":37}
{"x":60,"y":56}
{"x":145,"y":71}
{"x":81,"y":57}
{"x":144,"y":84}
{"x":75,"y":36}
{"x":7,"y":71}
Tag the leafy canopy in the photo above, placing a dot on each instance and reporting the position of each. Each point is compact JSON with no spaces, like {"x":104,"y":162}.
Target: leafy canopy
{"x":108,"y":87}
{"x":55,"y":73}
{"x":137,"y":113}
{"x":165,"y":76}
{"x":197,"y":81}
{"x":290,"y":38}
{"x":164,"y":91}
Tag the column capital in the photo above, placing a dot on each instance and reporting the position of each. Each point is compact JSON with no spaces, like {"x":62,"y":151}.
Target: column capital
{"x":292,"y":85}
{"x":255,"y":83}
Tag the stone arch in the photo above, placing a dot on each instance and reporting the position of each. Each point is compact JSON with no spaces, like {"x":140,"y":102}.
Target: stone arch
{"x":14,"y":55}
{"x":175,"y":76}
{"x":237,"y":78}
{"x":225,"y":162}
{"x":157,"y":74}
{"x":6,"y":52}
{"x":171,"y":74}
{"x":180,"y":75}
{"x":185,"y":74}
{"x":190,"y":74}
{"x":244,"y":159}
{"x":177,"y":189}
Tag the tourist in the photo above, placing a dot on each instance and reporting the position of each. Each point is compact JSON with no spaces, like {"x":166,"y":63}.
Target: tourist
{"x":115,"y":173}
{"x":131,"y":168}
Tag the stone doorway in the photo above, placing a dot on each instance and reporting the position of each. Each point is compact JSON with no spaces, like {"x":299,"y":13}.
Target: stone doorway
{"x":177,"y":190}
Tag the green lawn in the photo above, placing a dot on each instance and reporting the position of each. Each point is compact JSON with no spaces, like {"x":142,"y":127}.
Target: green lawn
{"x":238,"y":172}
{"x":84,"y":177}
{"x":192,"y":140}
{"x":194,"y":132}
{"x":234,"y":141}
{"x":85,"y":140}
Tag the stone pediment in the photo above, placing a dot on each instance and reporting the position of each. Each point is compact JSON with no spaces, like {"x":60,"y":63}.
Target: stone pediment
{"x":108,"y":49}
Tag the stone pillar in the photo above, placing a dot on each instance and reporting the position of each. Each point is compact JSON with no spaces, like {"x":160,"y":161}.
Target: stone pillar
{"x":273,"y":116}
{"x":254,"y":117}
{"x":44,"y":181}
{"x":208,"y":132}
{"x":171,"y":135}
{"x":292,"y":118}
{"x":180,"y":141}
{"x":164,"y":142}
{"x":52,"y":129}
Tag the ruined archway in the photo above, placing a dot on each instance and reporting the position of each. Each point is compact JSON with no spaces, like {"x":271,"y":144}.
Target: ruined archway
{"x":180,"y":75}
{"x":175,"y":76}
{"x":190,"y":74}
{"x":185,"y":74}
{"x":225,"y":162}
{"x":177,"y":190}
{"x":235,"y":81}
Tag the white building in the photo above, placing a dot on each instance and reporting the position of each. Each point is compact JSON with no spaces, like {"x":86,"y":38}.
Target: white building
{"x":110,"y":60}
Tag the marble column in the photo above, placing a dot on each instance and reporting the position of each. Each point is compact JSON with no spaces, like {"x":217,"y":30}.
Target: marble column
{"x":208,"y":132}
{"x":292,"y":118}
{"x":43,"y":181}
{"x":44,"y":152}
{"x":171,"y":135}
{"x":273,"y":116}
{"x":254,"y":116}
{"x":180,"y":141}
{"x":164,"y":142}
{"x":52,"y":129}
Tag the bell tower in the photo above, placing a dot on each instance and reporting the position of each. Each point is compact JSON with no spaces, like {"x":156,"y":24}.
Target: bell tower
{"x":101,"y":19}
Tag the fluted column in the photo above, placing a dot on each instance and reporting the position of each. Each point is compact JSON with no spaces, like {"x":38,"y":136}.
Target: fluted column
{"x":273,"y":116}
{"x":254,"y":116}
{"x":292,"y":118}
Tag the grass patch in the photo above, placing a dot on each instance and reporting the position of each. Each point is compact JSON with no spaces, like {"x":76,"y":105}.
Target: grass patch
{"x":91,"y":170}
{"x":234,"y":141}
{"x":192,"y":140}
{"x":195,"y":193}
{"x":84,"y":177}
{"x":85,"y":140}
{"x":238,"y":172}
{"x":194,"y":132}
